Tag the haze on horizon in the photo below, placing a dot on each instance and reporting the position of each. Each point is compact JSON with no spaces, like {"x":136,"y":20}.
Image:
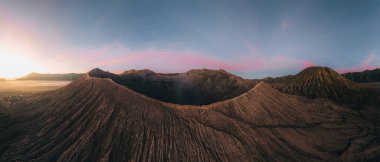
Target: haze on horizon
{"x":252,"y":39}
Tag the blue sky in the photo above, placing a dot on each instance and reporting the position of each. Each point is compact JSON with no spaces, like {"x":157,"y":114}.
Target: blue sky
{"x":249,"y":38}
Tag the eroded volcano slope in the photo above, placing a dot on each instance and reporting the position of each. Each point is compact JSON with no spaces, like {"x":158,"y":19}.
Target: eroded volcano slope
{"x":95,"y":119}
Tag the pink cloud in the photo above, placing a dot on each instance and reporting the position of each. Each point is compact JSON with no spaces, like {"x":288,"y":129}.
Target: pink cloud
{"x":307,"y":64}
{"x":370,"y":62}
{"x":118,"y":57}
{"x":175,"y":61}
{"x":275,"y":62}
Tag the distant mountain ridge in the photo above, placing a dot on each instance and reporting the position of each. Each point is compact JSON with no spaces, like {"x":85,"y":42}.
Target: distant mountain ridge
{"x":366,"y":76}
{"x":281,"y":79}
{"x":63,"y":77}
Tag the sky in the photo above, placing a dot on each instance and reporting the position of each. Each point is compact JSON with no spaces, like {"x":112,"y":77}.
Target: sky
{"x":249,"y":38}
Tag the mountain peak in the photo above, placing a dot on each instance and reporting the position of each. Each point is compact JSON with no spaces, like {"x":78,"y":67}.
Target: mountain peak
{"x":96,"y":70}
{"x":323,"y":82}
{"x":99,"y":73}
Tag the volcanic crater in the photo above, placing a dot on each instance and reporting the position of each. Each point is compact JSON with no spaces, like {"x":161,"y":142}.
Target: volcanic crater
{"x":194,"y":87}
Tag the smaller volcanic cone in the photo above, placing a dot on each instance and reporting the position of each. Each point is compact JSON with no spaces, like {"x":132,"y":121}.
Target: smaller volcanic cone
{"x":323,"y":82}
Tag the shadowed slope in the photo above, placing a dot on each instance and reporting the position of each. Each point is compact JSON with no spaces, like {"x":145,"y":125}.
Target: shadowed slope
{"x":323,"y":82}
{"x":95,"y":119}
{"x":366,"y":76}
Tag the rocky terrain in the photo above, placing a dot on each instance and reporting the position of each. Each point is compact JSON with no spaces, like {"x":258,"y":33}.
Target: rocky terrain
{"x":38,"y":76}
{"x":323,"y":82}
{"x":97,"y":119}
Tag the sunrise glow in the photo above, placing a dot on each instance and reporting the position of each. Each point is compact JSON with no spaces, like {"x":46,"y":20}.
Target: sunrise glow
{"x":15,"y":65}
